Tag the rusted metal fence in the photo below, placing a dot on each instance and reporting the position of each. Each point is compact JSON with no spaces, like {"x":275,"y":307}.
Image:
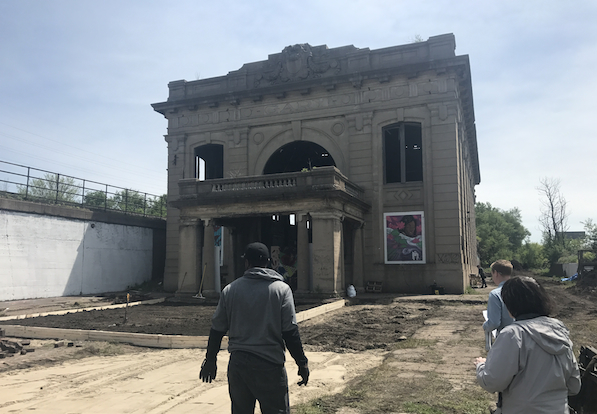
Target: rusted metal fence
{"x":32,"y":184}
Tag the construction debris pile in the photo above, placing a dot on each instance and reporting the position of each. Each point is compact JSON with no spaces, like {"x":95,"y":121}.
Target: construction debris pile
{"x":11,"y":348}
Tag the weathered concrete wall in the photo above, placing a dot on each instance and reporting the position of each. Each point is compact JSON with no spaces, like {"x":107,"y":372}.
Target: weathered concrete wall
{"x":45,"y":255}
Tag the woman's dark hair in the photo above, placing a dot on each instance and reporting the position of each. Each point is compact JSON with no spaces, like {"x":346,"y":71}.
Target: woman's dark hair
{"x":407,"y":219}
{"x":523,"y":295}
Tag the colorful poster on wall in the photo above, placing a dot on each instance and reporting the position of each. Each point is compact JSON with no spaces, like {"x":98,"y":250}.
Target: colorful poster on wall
{"x":404,"y":238}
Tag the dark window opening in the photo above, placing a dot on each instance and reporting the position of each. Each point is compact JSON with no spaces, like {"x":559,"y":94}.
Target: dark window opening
{"x":280,"y":235}
{"x":209,"y":162}
{"x":298,"y":156}
{"x":403,"y":153}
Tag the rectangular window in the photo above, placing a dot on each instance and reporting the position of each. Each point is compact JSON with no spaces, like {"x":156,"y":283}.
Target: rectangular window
{"x":209,"y":162}
{"x":403,"y":154}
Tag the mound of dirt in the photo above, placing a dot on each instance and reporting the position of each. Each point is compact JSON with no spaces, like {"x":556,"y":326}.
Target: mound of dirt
{"x":587,"y":281}
{"x":171,"y":317}
{"x":359,"y":327}
{"x":362,"y":327}
{"x":167,"y":318}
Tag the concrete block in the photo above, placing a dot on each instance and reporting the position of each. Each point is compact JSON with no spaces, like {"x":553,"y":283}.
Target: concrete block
{"x":320,"y":310}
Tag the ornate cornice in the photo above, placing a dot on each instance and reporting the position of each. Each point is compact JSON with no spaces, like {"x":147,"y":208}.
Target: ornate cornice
{"x":302,"y":67}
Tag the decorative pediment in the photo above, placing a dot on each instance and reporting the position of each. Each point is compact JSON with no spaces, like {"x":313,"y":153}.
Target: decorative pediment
{"x":296,"y":63}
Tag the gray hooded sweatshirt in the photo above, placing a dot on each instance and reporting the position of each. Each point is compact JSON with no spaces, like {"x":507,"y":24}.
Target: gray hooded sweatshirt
{"x":255,"y":309}
{"x":533,"y":365}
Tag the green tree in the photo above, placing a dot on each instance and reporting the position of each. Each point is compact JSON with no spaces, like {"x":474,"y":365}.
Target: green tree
{"x":553,"y":219}
{"x":531,"y":256}
{"x":52,"y":187}
{"x":157,"y":206}
{"x":130,"y":201}
{"x":500,"y":234}
{"x":98,"y":199}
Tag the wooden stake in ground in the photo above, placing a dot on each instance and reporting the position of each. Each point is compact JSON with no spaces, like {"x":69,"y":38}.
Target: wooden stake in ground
{"x":128,"y":297}
{"x":199,"y":295}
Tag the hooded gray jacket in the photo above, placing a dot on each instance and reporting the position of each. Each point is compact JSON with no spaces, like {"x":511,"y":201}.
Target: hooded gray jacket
{"x":255,"y":309}
{"x":533,"y":365}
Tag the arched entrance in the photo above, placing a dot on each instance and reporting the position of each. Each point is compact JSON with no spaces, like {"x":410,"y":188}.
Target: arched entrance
{"x":298,"y":156}
{"x":281,"y":230}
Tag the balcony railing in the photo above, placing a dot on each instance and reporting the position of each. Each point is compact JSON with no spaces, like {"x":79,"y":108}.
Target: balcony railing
{"x":323,"y":179}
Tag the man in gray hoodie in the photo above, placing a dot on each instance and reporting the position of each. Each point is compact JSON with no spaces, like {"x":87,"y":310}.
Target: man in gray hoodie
{"x":531,"y":362}
{"x":257,"y":311}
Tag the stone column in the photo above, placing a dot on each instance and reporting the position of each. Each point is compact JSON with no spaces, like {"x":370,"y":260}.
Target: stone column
{"x":303,"y":266}
{"x":188,"y":257}
{"x":208,"y":263}
{"x":357,"y":257}
{"x":328,"y":256}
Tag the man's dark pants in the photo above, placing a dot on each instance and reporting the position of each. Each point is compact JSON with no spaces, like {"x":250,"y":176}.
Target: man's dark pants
{"x":253,"y":378}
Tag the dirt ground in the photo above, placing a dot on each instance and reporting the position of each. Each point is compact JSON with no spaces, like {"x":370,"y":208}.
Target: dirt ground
{"x":409,"y":337}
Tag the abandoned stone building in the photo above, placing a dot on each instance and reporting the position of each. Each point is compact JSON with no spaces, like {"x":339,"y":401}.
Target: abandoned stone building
{"x":355,"y":166}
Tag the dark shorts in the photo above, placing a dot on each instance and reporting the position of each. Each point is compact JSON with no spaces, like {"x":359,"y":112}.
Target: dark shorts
{"x":251,"y":378}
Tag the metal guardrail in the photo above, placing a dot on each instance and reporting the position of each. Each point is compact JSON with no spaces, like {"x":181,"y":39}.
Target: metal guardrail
{"x":31,"y":184}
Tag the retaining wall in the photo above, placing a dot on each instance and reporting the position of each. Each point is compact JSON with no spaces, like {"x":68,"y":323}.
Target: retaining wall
{"x":49,"y":250}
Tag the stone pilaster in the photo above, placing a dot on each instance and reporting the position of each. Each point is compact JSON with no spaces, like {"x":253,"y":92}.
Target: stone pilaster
{"x":328,"y":256}
{"x":208,"y":264}
{"x":357,"y":254}
{"x":303,"y":262}
{"x":188,"y":258}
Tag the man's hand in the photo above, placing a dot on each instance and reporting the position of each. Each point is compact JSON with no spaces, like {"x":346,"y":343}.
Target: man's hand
{"x":208,"y":370}
{"x":479,"y":360}
{"x":304,"y":374}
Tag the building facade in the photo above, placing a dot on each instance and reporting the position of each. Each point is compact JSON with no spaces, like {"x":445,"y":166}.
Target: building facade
{"x":354,"y":166}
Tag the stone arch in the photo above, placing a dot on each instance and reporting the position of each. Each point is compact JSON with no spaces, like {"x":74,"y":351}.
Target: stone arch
{"x":308,"y":134}
{"x":297,"y":156}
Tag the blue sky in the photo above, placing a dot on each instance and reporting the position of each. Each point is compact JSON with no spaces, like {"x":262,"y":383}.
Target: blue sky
{"x":77,"y":78}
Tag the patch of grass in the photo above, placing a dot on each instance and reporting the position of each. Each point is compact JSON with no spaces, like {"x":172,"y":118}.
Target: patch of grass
{"x":418,"y":408}
{"x":540,"y":272}
{"x":474,"y":400}
{"x":411,"y":343}
{"x":471,"y":291}
{"x":313,"y":407}
{"x":381,"y":391}
{"x":583,"y":332}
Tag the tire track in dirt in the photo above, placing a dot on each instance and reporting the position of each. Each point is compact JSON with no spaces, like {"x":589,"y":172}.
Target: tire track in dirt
{"x":455,"y":337}
{"x":158,"y":383}
{"x":101,"y":378}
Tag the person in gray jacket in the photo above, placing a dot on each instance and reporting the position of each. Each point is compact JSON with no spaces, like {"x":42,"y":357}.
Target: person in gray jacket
{"x":497,"y":314}
{"x":531,"y":362}
{"x":257,"y":310}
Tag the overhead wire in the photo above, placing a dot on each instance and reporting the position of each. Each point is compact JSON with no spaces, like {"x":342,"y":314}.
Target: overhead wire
{"x":37,"y":145}
{"x":116,"y":178}
{"x":71,"y":146}
{"x":115,"y":165}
